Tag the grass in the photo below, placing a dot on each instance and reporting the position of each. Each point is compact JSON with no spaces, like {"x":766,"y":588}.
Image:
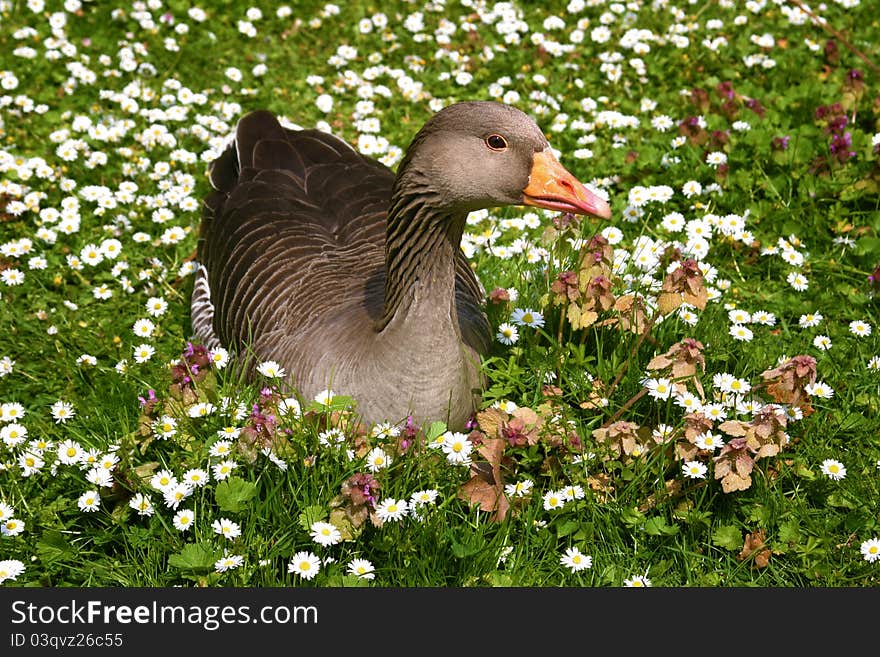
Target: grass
{"x":791,"y":107}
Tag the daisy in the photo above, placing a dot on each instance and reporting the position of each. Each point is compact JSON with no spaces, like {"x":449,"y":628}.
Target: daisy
{"x":527,"y":317}
{"x":710,"y":441}
{"x":89,"y":501}
{"x":362,"y":568}
{"x":227,"y":528}
{"x":163,"y":480}
{"x":874,"y":363}
{"x":142,"y":504}
{"x":156,"y":306}
{"x":222,"y":470}
{"x":739,"y":386}
{"x":738,"y":316}
{"x":201,"y":409}
{"x":423,"y":498}
{"x":183,"y":520}
{"x":229,"y":562}
{"x":10,"y":411}
{"x":143,"y":353}
{"x":574,"y":560}
{"x":819,"y":389}
{"x":219,"y":357}
{"x":6,"y":511}
{"x":222,"y":447}
{"x":324,"y":533}
{"x":798,"y":281}
{"x":196,"y":477}
{"x":289,"y":406}
{"x":688,"y":401}
{"x":304,"y":564}
{"x":6,"y":365}
{"x":860,"y":328}
{"x":332,"y":437}
{"x":764,"y":318}
{"x":10,"y":569}
{"x":99,"y":476}
{"x":694,"y":470}
{"x":741,"y":333}
{"x":663,"y":433}
{"x":69,"y":452}
{"x":810,"y":320}
{"x":870,"y":550}
{"x":30,"y":463}
{"x":659,"y":388}
{"x":102,"y":292}
{"x":384,"y":430}
{"x":377,"y":459}
{"x":714,"y":412}
{"x":165,"y":427}
{"x":143,"y":328}
{"x":519,"y":489}
{"x":391,"y":510}
{"x":174,"y":495}
{"x":325,"y":397}
{"x":13,"y":434}
{"x":572,"y":492}
{"x":507,"y":334}
{"x":553,"y":500}
{"x":12,"y":276}
{"x":833,"y":469}
{"x":457,"y":448}
{"x":62,"y":411}
{"x":637,"y":581}
{"x":11,"y":527}
{"x":822,"y":342}
{"x":271,"y":369}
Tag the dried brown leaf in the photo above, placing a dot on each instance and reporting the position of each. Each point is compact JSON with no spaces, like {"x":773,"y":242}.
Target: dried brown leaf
{"x":754,"y":545}
{"x":734,"y":482}
{"x":668,"y":301}
{"x":491,"y":420}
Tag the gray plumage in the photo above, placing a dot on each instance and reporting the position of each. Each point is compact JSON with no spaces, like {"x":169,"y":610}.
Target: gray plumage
{"x":353,"y":278}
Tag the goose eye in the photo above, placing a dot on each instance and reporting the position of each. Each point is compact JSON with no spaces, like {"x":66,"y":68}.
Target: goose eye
{"x":496,"y":142}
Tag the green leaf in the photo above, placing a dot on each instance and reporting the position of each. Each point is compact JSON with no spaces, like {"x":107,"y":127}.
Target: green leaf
{"x":657,"y":527}
{"x":499,"y":578}
{"x":347,"y":581}
{"x":463,"y":551}
{"x":698,"y":520}
{"x":567,"y":527}
{"x":195,"y":558}
{"x":52,"y":546}
{"x":310,"y":515}
{"x":840,"y":501}
{"x":632,"y":517}
{"x":234,"y":494}
{"x":789,"y":532}
{"x":435,"y":430}
{"x":728,"y":537}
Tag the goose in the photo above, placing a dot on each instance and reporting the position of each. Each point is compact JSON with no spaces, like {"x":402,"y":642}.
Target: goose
{"x":351,"y":278}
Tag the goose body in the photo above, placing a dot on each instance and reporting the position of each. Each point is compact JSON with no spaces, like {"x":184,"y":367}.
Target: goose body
{"x":351,"y":277}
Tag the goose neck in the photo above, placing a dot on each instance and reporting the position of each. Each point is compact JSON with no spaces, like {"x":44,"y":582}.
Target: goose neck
{"x":420,"y":247}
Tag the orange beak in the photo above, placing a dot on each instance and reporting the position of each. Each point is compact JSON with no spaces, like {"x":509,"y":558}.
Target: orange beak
{"x":552,"y":187}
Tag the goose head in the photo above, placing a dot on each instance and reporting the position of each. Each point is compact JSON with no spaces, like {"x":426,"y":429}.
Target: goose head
{"x":482,"y":154}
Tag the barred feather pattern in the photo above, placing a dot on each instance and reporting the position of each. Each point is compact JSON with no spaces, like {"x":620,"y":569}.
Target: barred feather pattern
{"x":293,"y":268}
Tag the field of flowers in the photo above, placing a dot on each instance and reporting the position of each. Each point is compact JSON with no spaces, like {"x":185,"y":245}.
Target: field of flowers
{"x":686,"y":395}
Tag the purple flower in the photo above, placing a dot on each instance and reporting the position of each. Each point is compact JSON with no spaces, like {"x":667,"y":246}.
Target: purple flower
{"x":780,"y":143}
